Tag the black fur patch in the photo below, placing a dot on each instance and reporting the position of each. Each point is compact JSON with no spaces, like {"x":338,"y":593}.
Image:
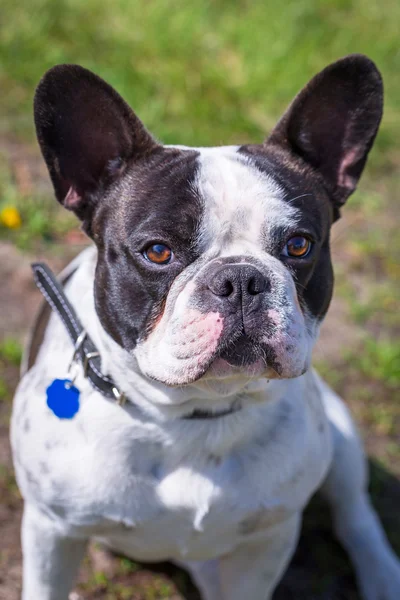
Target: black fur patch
{"x":153,"y":202}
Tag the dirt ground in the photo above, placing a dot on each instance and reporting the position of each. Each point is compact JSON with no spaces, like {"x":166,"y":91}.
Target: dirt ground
{"x":319,"y":570}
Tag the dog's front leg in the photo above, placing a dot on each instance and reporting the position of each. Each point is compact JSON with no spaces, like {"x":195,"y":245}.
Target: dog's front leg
{"x":254,"y":569}
{"x":50,"y":560}
{"x":356,"y":523}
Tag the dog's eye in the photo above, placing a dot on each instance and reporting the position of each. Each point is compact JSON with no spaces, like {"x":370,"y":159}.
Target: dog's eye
{"x":159,"y":254}
{"x":297,"y":247}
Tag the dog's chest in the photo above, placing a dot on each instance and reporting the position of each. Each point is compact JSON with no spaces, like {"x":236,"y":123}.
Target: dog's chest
{"x":103,"y":477}
{"x":195,"y":512}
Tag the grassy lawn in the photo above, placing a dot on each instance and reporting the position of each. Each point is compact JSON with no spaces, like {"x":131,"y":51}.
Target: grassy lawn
{"x":209,"y":73}
{"x":196,"y":72}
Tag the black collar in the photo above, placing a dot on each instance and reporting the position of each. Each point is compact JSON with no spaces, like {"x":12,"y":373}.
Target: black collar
{"x":85,"y":351}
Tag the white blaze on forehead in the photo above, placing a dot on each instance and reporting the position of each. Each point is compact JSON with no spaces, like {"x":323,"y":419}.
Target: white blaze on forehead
{"x":242,"y":206}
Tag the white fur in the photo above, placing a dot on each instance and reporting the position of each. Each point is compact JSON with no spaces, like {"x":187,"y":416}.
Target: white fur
{"x":242,"y":205}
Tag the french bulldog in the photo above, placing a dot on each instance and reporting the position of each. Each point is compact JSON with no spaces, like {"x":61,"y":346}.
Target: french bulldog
{"x":204,"y":291}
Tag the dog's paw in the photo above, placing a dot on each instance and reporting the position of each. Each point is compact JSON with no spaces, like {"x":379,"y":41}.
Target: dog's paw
{"x":74,"y":596}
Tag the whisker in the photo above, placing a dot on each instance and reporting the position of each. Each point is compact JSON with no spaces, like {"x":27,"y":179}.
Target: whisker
{"x":297,"y":197}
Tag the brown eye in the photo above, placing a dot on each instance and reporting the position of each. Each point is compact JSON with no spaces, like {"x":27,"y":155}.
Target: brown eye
{"x":159,"y":254}
{"x":297,"y":247}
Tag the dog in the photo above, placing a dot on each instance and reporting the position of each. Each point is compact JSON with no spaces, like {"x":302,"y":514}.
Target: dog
{"x":203,"y":292}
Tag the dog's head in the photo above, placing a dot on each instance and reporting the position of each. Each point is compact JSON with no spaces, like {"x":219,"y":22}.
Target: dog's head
{"x":211,"y":262}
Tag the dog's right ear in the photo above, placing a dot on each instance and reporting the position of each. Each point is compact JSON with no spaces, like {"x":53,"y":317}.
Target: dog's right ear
{"x":87,"y":134}
{"x":332,"y":123}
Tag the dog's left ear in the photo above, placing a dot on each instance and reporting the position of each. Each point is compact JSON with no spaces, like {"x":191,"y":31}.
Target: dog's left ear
{"x":87,"y":133}
{"x":333,"y":122}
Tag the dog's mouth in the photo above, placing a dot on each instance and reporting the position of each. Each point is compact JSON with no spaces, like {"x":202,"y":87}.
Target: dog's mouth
{"x":241,"y":352}
{"x":239,"y":359}
{"x":208,"y":348}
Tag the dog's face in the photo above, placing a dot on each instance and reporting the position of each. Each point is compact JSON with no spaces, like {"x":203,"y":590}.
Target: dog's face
{"x":216,"y":266}
{"x":212,"y":263}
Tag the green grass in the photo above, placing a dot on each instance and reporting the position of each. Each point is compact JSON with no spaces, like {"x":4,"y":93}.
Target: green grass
{"x":4,"y":392}
{"x":379,"y":359}
{"x":8,"y":486}
{"x":197,"y":72}
{"x":119,"y":587}
{"x":11,"y":350}
{"x":41,"y":217}
{"x":10,"y":356}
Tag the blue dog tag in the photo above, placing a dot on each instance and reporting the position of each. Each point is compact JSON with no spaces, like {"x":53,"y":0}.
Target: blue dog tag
{"x":63,"y":398}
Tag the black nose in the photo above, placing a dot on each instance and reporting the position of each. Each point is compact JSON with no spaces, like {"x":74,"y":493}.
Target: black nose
{"x":237,"y":283}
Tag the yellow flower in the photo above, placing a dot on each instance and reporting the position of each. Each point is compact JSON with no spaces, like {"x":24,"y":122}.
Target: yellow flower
{"x":10,"y":217}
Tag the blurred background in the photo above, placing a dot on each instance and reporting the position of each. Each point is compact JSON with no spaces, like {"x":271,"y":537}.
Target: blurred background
{"x":210,"y":73}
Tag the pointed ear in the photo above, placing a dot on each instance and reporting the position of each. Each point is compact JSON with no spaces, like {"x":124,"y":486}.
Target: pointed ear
{"x":333,"y":122}
{"x":87,"y":134}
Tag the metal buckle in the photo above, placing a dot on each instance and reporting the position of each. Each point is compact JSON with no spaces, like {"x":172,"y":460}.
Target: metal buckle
{"x":79,"y":341}
{"x":119,"y":396}
{"x":86,"y":361}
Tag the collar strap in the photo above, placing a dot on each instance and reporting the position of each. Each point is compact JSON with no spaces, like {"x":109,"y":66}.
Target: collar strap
{"x":85,"y":351}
